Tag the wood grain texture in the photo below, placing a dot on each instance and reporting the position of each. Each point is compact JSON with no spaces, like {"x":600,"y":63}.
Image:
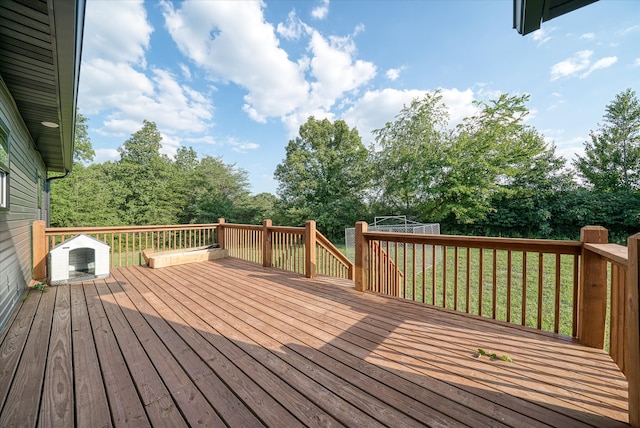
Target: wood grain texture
{"x":231,"y":343}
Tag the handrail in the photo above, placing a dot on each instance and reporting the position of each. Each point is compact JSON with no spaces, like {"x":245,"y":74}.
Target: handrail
{"x":111,"y":229}
{"x":514,"y":244}
{"x":614,"y":253}
{"x":335,"y":252}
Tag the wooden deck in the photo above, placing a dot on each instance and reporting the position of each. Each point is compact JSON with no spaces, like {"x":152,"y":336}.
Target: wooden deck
{"x":229,"y":343}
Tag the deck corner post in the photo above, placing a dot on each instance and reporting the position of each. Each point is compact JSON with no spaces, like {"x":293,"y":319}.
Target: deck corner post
{"x":310,"y":248}
{"x":360,"y":270}
{"x":221,"y":233}
{"x":39,"y":250}
{"x":592,"y":293}
{"x":266,"y":243}
{"x":633,"y":329}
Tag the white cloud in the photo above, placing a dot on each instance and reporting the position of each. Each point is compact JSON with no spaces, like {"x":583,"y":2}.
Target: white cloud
{"x":375,"y":108}
{"x":186,"y":72}
{"x":628,"y":30}
{"x":127,"y":97}
{"x":601,"y":63}
{"x":578,"y":62}
{"x":636,"y":63}
{"x":124,"y":42}
{"x":393,"y":73}
{"x":233,"y":43}
{"x":335,"y":70}
{"x":104,"y":155}
{"x":542,"y":35}
{"x":293,"y":29}
{"x":321,"y":12}
{"x":588,"y":36}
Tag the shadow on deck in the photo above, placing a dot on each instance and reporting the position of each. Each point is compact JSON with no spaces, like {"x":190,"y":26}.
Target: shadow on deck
{"x":230,"y":343}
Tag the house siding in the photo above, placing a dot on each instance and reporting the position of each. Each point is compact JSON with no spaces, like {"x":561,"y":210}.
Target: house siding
{"x":25,"y":164}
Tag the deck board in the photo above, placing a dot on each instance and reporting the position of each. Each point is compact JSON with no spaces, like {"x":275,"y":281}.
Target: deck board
{"x":92,"y":408}
{"x":230,"y":343}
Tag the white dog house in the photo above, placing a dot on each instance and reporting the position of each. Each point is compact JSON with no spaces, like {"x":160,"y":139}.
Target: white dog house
{"x":81,"y":258}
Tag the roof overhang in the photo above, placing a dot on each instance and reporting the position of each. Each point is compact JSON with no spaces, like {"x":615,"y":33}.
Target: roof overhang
{"x":40,"y":51}
{"x":528,"y":15}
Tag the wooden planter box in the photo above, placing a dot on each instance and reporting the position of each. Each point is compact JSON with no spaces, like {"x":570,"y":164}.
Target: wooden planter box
{"x":181,"y":257}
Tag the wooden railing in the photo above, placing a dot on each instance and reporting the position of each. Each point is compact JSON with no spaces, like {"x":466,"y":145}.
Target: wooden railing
{"x":527,"y":282}
{"x":127,"y":242}
{"x":563,"y":287}
{"x":609,"y":306}
{"x":301,"y":250}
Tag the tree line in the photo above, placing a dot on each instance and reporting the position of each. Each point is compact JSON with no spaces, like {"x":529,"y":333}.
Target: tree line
{"x":490,"y":175}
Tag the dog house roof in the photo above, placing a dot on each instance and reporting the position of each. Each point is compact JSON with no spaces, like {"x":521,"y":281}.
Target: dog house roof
{"x":80,"y":241}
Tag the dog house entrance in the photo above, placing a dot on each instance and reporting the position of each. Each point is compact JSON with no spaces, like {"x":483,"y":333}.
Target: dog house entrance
{"x":82,"y":264}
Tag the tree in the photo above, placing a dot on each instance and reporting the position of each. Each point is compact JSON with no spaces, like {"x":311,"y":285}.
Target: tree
{"x":142,"y":174}
{"x":408,"y":155}
{"x":324,"y":177}
{"x":83,"y":198}
{"x":82,"y":149}
{"x":612,"y":158}
{"x":218,"y":191}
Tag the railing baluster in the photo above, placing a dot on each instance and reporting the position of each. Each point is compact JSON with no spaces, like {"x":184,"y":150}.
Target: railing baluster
{"x":480,"y":278}
{"x":455,"y":277}
{"x":557,"y":297}
{"x":540,"y":290}
{"x":524,"y":288}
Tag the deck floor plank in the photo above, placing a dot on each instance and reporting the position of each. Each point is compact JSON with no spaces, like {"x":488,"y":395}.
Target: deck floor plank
{"x":289,"y":331}
{"x":91,"y":405}
{"x":380,"y":315}
{"x":22,"y":405}
{"x":124,"y":402}
{"x":259,"y":345}
{"x":230,"y":343}
{"x":360,"y":390}
{"x":240,"y":370}
{"x":320,"y":326}
{"x":14,"y":337}
{"x":193,"y":355}
{"x":57,"y":408}
{"x":181,"y":366}
{"x":156,"y":398}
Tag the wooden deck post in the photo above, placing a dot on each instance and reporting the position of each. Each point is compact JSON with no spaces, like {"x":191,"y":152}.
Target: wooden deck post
{"x":221,"y":233}
{"x":39,"y":247}
{"x":310,"y":249}
{"x":360,"y":274}
{"x":592,"y":295}
{"x":633,"y":330}
{"x":266,"y":243}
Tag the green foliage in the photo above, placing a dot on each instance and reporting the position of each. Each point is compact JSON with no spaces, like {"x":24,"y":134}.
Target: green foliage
{"x":324,"y":176}
{"x":409,"y":156}
{"x":612,"y":159}
{"x":146,"y":187}
{"x":494,"y":356}
{"x":491,"y":175}
{"x":82,"y":149}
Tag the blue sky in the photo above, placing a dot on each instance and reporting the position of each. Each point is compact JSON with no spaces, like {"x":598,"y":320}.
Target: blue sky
{"x":236,"y":78}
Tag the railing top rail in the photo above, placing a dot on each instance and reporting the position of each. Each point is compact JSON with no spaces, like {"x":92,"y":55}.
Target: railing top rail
{"x":281,"y":229}
{"x":517,"y":244}
{"x":287,"y":229}
{"x":242,"y":226}
{"x":114,"y":229}
{"x":617,"y":254}
{"x":322,"y":240}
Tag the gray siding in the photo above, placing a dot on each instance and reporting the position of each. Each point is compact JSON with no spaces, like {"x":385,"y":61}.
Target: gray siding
{"x":25,"y":164}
